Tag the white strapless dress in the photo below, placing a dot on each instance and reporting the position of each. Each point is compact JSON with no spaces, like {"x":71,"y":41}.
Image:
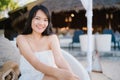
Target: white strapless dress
{"x":28,"y":72}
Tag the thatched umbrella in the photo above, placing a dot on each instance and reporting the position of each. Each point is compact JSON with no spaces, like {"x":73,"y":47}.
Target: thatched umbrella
{"x":66,"y":5}
{"x":62,"y":5}
{"x":106,"y":4}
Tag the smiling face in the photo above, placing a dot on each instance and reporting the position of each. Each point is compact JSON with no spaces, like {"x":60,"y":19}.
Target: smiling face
{"x":39,"y":22}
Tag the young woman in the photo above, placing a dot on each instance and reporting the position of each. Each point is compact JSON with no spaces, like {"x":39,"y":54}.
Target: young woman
{"x":41,"y":57}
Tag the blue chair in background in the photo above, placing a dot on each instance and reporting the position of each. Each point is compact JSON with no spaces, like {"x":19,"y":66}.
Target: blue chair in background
{"x":75,"y":38}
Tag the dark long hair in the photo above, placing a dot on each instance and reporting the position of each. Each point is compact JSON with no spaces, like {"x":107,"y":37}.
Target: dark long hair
{"x":32,"y":13}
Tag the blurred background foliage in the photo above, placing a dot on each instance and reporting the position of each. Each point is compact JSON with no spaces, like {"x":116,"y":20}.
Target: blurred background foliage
{"x":8,"y":4}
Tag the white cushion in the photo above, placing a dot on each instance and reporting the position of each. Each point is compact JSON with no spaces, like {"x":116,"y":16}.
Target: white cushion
{"x":84,"y":43}
{"x":103,"y":42}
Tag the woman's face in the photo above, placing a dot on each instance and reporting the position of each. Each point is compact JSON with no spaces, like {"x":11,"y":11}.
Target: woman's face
{"x":39,"y":22}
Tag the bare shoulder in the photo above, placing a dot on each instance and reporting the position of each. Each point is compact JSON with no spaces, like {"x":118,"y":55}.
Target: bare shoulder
{"x":53,"y":37}
{"x":19,"y":37}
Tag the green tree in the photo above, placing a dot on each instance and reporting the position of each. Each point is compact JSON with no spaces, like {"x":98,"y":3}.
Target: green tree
{"x":8,"y":4}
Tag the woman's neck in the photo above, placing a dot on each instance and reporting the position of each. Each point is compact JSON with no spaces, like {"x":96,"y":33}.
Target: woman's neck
{"x":36,"y":36}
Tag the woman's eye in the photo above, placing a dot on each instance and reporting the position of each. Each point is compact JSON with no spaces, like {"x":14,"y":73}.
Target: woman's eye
{"x":46,"y":20}
{"x":37,"y":18}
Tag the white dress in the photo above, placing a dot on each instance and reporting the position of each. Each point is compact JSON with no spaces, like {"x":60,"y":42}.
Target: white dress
{"x":28,"y":72}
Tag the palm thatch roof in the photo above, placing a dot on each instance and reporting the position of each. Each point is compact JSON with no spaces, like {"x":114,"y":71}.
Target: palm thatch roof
{"x":106,"y":3}
{"x":64,"y":5}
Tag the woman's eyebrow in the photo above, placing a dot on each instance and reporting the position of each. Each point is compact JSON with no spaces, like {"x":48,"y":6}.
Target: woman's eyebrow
{"x":40,"y":17}
{"x":37,"y":16}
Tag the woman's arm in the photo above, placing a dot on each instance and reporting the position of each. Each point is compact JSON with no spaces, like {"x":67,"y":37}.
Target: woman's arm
{"x":59,"y":59}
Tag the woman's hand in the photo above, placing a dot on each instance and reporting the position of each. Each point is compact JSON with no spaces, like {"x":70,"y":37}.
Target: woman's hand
{"x":66,"y":75}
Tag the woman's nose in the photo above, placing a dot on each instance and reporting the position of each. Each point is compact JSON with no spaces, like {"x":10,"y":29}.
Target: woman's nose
{"x":41,"y":22}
